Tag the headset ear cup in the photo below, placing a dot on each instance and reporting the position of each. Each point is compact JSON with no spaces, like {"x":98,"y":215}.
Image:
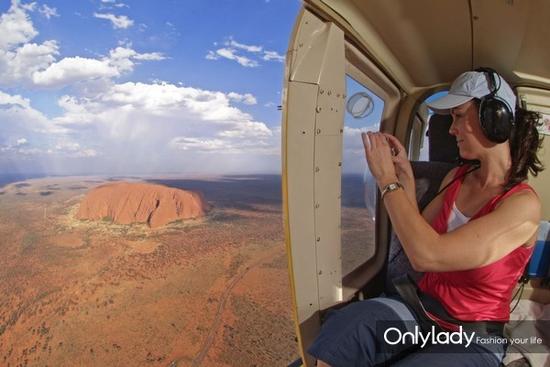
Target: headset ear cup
{"x":495,"y":119}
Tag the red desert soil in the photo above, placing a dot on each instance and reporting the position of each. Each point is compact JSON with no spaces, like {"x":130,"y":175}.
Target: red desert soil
{"x":210,"y":292}
{"x":127,"y":203}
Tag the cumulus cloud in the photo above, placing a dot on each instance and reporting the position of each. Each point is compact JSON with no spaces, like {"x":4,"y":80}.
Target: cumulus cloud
{"x":19,"y":65}
{"x":23,"y":62}
{"x":118,"y":21}
{"x":108,"y":126}
{"x":253,"y":53}
{"x":18,"y":118}
{"x":15,"y":27}
{"x":74,"y":69}
{"x":144,"y":126}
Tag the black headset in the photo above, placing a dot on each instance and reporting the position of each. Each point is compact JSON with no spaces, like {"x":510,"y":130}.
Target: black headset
{"x":495,"y":115}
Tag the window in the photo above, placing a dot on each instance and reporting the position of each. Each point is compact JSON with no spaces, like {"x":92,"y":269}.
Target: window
{"x":359,"y":191}
{"x":419,"y":143}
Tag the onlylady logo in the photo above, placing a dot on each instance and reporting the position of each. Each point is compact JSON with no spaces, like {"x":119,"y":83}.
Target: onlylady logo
{"x":395,"y":336}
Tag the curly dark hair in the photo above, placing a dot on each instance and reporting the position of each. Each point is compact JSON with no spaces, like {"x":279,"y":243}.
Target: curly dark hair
{"x":524,"y":144}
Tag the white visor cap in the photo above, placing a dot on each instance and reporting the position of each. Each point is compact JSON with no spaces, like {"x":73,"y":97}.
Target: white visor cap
{"x":470,"y":85}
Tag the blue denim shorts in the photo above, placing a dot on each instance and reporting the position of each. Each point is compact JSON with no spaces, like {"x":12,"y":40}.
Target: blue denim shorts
{"x":366,"y":333}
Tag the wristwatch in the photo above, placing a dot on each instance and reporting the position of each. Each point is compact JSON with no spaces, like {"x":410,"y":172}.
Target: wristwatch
{"x":391,"y":187}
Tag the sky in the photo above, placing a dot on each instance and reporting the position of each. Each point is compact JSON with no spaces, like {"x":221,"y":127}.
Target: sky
{"x":142,"y":86}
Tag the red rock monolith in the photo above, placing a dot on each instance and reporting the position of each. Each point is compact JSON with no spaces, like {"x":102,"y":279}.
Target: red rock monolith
{"x":127,"y":203}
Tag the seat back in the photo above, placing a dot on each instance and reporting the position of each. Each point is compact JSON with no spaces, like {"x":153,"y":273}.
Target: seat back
{"x":442,"y":145}
{"x":428,"y":177}
{"x":443,"y":153}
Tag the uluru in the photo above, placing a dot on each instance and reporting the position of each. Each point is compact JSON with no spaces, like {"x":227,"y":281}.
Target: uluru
{"x":129,"y":202}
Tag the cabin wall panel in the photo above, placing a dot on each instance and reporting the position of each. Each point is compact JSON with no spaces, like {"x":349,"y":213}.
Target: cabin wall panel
{"x":298,"y":153}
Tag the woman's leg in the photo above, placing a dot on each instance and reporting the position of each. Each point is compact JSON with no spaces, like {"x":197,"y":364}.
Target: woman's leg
{"x":353,"y":336}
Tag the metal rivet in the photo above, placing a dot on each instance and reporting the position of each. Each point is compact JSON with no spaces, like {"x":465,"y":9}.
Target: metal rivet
{"x":318,"y":109}
{"x":303,"y":132}
{"x":320,"y":272}
{"x":316,"y":169}
{"x":318,"y":239}
{"x":318,"y":131}
{"x":317,"y":206}
{"x":339,"y":164}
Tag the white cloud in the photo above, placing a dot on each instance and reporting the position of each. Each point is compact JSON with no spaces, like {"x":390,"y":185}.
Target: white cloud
{"x":19,"y":65}
{"x":253,"y":53}
{"x":105,"y":126}
{"x":18,"y":118}
{"x":73,"y":69}
{"x":246,"y":98}
{"x":151,"y":56}
{"x":134,"y":111}
{"x":73,"y":149}
{"x":25,"y":63}
{"x":9,"y":100}
{"x":48,"y":12}
{"x":15,"y":26}
{"x":230,"y":54}
{"x":249,"y":48}
{"x":142,"y":127}
{"x":118,"y":21}
{"x":211,"y":55}
{"x":272,"y":55}
{"x":28,"y":7}
{"x":21,"y":141}
{"x":200,"y":144}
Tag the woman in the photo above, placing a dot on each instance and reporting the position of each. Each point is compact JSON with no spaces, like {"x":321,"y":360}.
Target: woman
{"x":472,"y":241}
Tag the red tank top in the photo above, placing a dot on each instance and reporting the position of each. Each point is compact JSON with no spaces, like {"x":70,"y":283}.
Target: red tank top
{"x":483,"y":293}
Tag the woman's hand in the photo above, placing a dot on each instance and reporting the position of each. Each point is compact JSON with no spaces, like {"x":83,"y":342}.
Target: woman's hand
{"x":401,"y":162}
{"x":379,"y":158}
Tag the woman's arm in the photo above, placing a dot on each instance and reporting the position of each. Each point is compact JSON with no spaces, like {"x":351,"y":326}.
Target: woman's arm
{"x":477,"y":243}
{"x":403,"y":168}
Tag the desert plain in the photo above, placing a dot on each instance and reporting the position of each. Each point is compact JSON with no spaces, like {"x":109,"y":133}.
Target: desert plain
{"x":210,"y":291}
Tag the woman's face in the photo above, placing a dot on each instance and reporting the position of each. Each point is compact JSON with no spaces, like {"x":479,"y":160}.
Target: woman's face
{"x":467,"y":130}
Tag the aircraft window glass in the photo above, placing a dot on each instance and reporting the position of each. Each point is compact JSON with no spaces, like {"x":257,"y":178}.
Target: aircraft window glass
{"x":359,"y":195}
{"x":419,"y":142}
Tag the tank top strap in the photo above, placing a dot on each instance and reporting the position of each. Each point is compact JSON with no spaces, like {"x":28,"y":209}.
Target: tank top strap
{"x":440,"y":221}
{"x":490,"y":206}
